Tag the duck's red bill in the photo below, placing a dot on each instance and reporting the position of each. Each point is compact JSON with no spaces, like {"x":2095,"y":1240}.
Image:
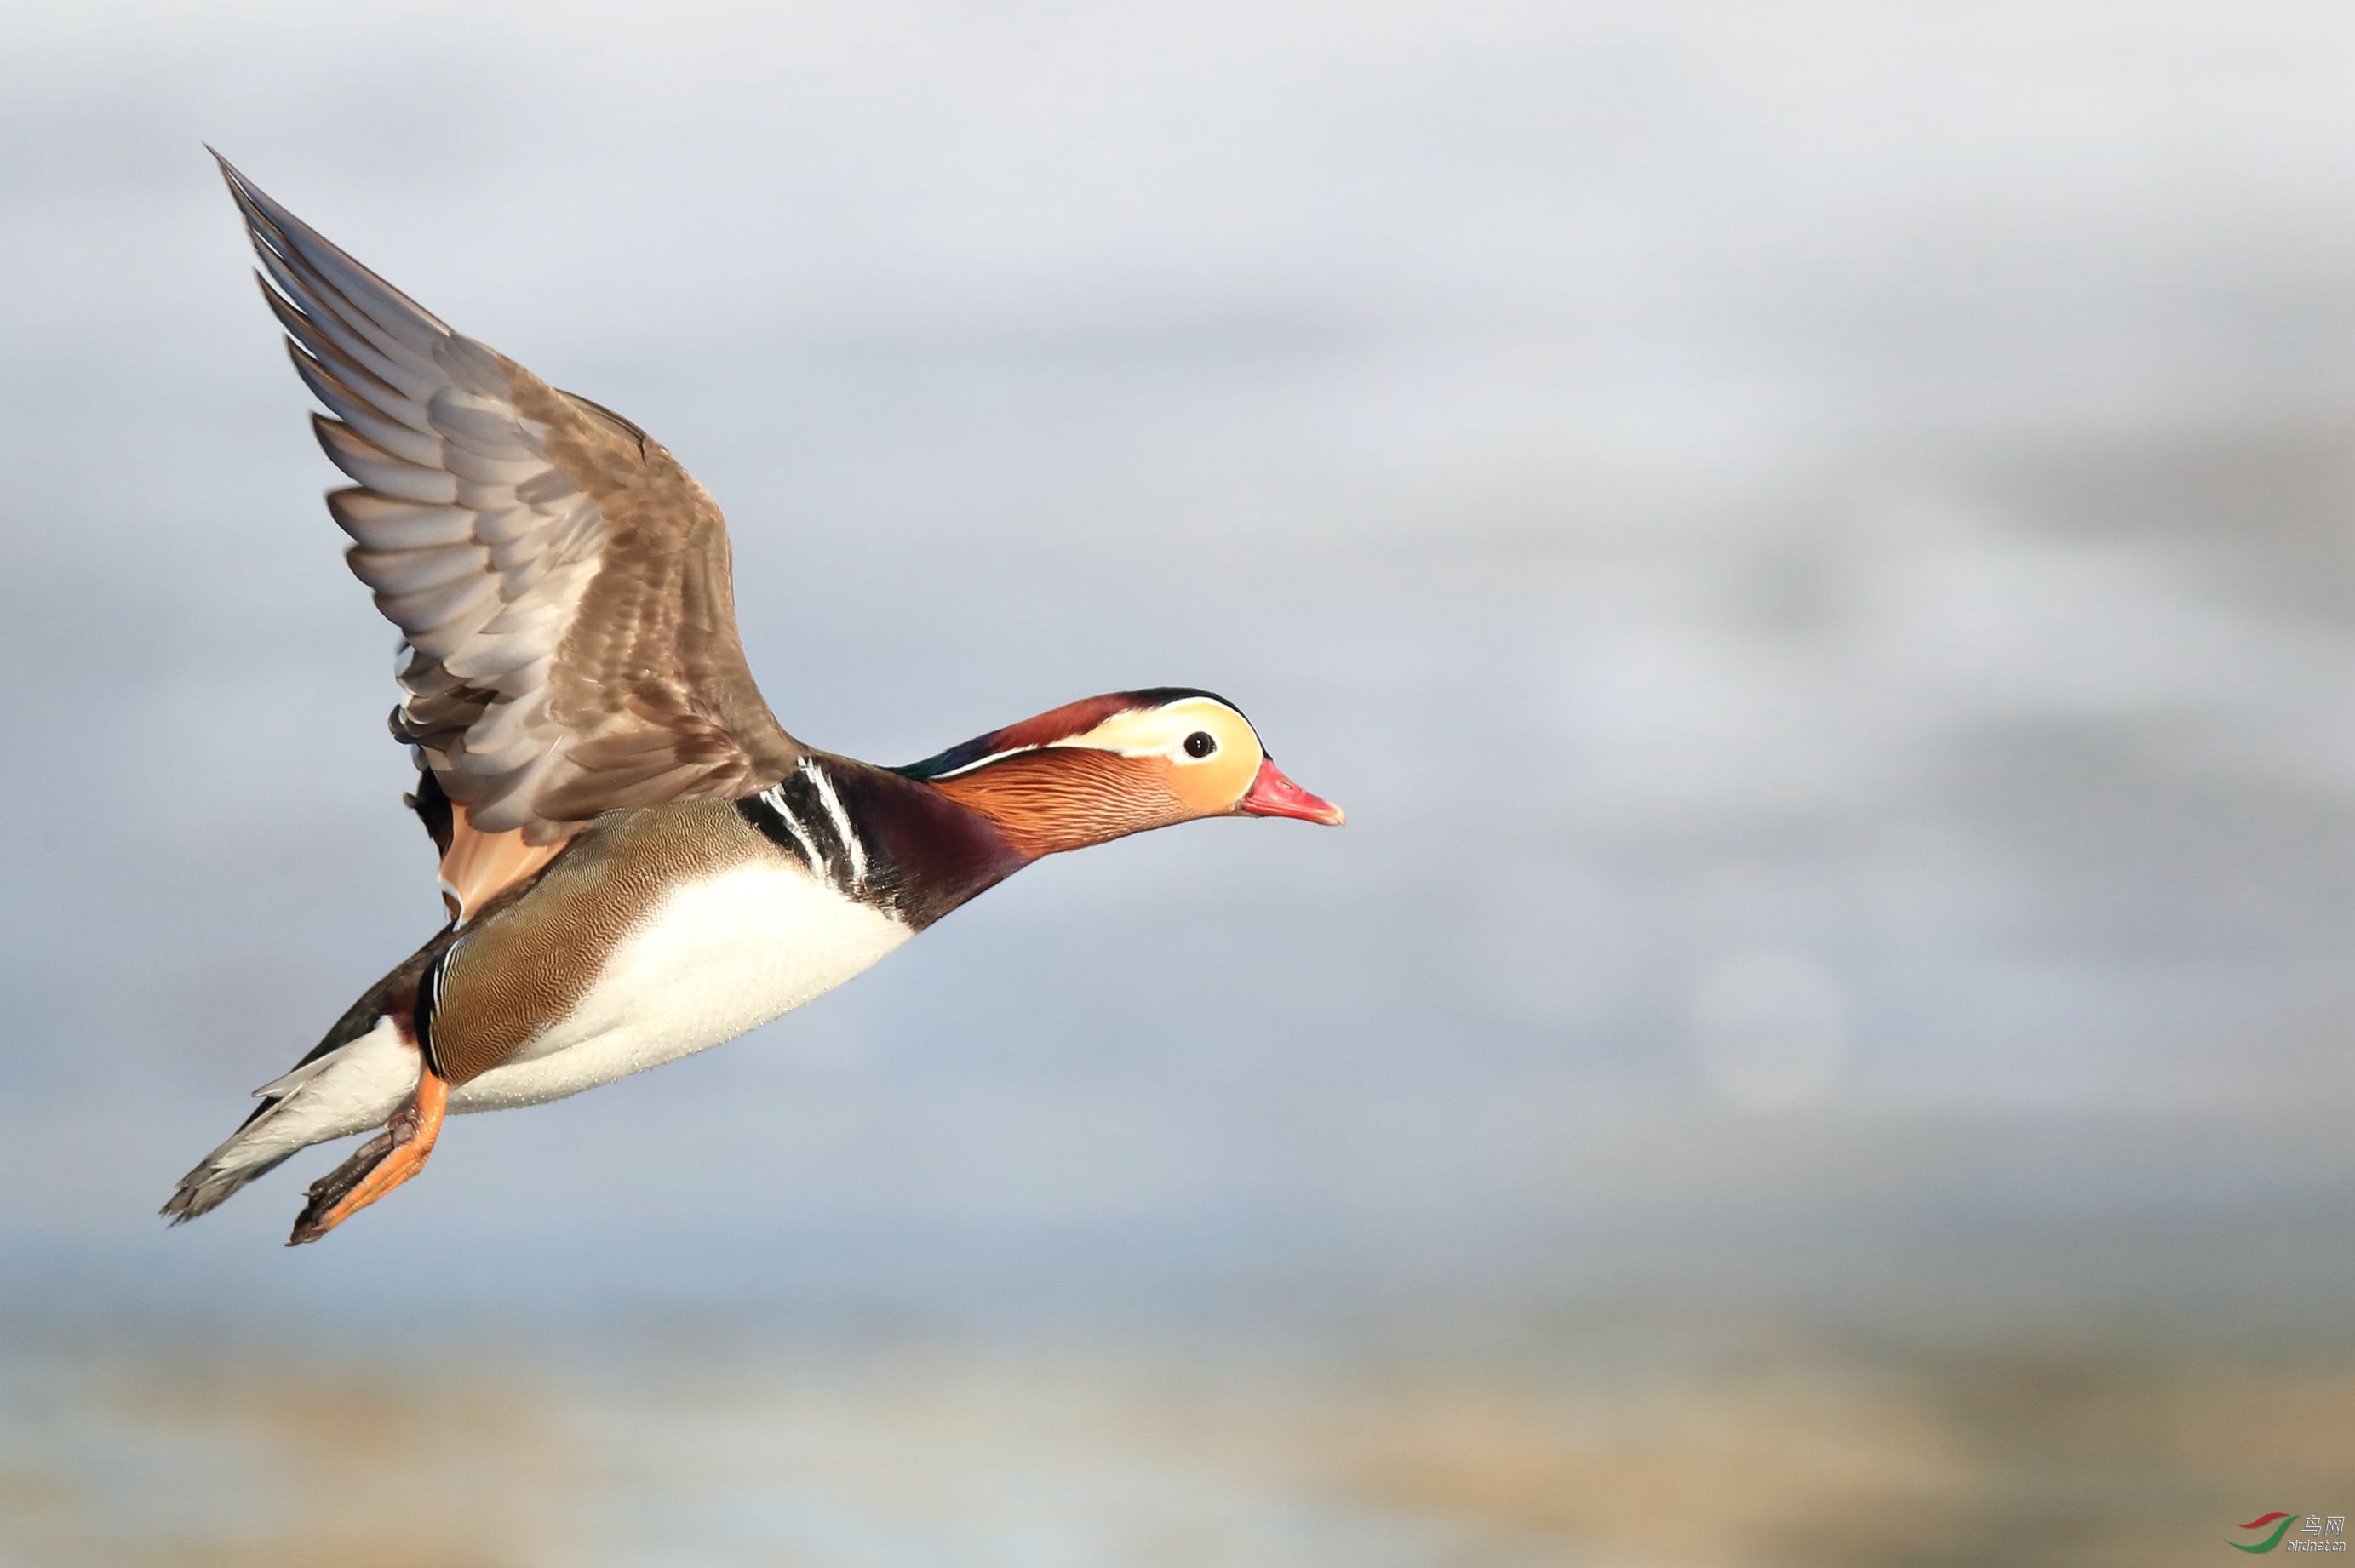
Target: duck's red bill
{"x":1272,"y":794}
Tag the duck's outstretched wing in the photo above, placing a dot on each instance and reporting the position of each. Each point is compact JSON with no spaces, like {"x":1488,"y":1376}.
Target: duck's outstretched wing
{"x":561,"y":583}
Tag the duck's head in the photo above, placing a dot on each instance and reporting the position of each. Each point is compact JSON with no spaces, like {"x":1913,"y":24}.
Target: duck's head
{"x":1116,"y":764}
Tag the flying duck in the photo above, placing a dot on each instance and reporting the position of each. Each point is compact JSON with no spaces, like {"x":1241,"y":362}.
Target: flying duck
{"x":638,"y":861}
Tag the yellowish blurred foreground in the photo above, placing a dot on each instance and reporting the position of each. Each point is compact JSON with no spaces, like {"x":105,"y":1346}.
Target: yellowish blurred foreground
{"x":1768,"y":1451}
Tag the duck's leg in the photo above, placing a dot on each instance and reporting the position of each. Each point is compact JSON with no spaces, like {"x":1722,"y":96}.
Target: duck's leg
{"x":383,"y":1163}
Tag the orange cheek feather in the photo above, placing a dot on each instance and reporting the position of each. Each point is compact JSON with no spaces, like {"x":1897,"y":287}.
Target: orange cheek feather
{"x":1067,"y":798}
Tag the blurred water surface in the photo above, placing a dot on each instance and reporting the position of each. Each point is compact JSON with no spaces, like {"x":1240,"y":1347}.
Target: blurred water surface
{"x":1813,"y":541}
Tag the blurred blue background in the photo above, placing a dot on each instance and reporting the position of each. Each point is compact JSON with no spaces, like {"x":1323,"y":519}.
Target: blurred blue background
{"x":1813,"y":540}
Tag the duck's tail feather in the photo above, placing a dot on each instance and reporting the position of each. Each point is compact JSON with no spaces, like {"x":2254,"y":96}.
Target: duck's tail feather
{"x":347,"y":1086}
{"x":216,"y":1181}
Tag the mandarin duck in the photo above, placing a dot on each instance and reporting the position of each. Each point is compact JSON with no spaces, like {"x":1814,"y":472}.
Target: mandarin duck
{"x":637,"y":862}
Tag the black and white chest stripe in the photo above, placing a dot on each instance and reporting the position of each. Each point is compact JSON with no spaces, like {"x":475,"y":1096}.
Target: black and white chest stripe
{"x":802,"y":814}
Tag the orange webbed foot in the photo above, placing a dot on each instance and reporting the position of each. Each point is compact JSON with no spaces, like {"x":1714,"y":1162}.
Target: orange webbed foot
{"x":383,"y":1163}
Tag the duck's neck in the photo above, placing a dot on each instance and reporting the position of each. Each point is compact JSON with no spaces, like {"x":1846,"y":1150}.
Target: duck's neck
{"x":926,"y":852}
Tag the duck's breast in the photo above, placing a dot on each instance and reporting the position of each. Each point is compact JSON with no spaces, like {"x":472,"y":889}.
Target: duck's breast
{"x":713,"y":957}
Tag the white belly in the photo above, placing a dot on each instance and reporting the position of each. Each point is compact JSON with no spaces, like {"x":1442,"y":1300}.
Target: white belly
{"x":717,"y":958}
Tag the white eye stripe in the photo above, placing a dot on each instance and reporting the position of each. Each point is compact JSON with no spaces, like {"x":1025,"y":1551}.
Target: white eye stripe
{"x":1157,"y":732}
{"x":1154,"y":733}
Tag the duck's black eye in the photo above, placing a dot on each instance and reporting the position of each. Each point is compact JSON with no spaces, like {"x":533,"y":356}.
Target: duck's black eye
{"x":1199,"y":744}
